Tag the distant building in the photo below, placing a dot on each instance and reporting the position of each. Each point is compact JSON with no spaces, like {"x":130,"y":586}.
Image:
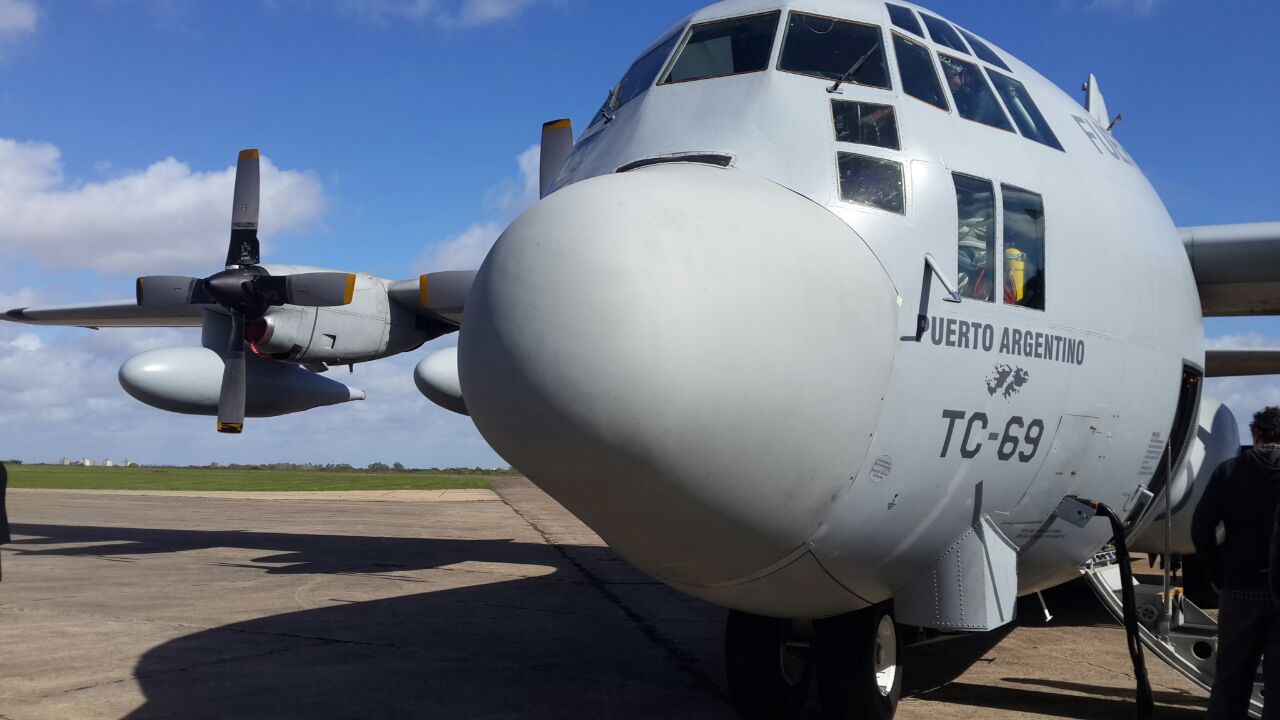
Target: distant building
{"x":86,"y":462}
{"x":65,"y":461}
{"x":108,"y":463}
{"x":128,"y":463}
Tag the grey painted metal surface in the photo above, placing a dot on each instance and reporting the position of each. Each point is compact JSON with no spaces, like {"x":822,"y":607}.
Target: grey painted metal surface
{"x":971,"y":586}
{"x":1239,"y":362}
{"x":1237,"y":267}
{"x":437,"y":378}
{"x":630,"y":322}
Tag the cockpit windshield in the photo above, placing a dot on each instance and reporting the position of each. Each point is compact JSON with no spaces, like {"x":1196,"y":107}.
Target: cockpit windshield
{"x":829,"y":48}
{"x":725,"y":47}
{"x":642,"y":73}
{"x":973,"y":97}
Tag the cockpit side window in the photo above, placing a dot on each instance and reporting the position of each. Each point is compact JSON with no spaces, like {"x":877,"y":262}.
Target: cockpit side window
{"x":983,"y":50}
{"x":919,"y":76}
{"x":725,"y":47}
{"x":871,"y":181}
{"x":905,"y":19}
{"x":643,"y":72}
{"x":1024,"y":111}
{"x":828,"y":48}
{"x":943,"y":34}
{"x":976,"y":250}
{"x":973,"y":96}
{"x":1024,"y":256}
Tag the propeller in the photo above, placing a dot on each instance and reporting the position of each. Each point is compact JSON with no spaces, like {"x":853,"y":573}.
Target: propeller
{"x":557,"y":143}
{"x":244,"y":289}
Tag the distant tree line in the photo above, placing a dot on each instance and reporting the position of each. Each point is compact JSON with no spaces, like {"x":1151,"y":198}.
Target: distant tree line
{"x":377,"y":467}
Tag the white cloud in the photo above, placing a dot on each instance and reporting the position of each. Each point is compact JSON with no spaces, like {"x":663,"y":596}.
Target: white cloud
{"x":1136,"y":7}
{"x":27,"y":342}
{"x":166,"y":218}
{"x":446,"y":13}
{"x":471,"y":13}
{"x":505,"y":200}
{"x":18,"y":18}
{"x":465,"y":250}
{"x":1242,"y":340}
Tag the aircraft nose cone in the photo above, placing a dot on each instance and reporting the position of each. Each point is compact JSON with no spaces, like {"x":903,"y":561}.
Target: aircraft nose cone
{"x":691,"y":359}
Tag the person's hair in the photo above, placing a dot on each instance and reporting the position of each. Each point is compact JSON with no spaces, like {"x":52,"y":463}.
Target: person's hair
{"x":1266,"y":425}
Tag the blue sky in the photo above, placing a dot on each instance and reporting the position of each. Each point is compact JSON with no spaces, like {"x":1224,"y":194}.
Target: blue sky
{"x":399,"y":127}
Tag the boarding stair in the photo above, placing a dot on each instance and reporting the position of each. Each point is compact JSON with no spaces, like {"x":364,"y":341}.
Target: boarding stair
{"x":1170,"y":625}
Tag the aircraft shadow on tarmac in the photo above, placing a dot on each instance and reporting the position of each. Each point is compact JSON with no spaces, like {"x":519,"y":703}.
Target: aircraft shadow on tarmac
{"x":526,"y":648}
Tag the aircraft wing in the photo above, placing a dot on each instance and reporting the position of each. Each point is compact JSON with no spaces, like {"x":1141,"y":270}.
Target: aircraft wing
{"x":1237,"y":267}
{"x":1243,"y":361}
{"x":440,"y":296}
{"x":121,"y":313}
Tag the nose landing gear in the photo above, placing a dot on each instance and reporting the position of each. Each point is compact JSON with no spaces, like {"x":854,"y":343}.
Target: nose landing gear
{"x":859,"y":671}
{"x":769,"y":664}
{"x":856,"y":658}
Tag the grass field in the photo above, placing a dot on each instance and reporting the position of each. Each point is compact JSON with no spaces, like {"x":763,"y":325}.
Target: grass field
{"x":58,"y":477}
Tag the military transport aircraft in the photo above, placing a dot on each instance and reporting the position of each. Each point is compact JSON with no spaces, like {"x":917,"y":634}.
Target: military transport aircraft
{"x":824,"y":318}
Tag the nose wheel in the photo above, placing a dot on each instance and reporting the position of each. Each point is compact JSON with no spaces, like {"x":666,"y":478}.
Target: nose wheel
{"x":768,"y":663}
{"x":859,"y":664}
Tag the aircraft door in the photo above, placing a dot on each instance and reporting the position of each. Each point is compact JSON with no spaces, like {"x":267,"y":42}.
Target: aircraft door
{"x":1080,"y":445}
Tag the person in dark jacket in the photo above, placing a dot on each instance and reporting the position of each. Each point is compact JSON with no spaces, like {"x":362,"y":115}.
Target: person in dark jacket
{"x":4,"y":516}
{"x":1243,"y":495}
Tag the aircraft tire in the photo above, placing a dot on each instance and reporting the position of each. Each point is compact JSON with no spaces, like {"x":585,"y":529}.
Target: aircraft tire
{"x":859,"y":664}
{"x":768,"y":666}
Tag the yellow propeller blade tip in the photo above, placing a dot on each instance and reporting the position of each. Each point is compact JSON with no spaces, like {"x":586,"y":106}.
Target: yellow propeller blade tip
{"x":231,"y":428}
{"x":351,"y":288}
{"x":558,"y":124}
{"x":250,"y":154}
{"x":424,"y":296}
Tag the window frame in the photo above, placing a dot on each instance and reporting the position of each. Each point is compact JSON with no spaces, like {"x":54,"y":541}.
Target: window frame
{"x":664,"y":77}
{"x":1011,"y":129}
{"x":926,"y":17}
{"x":974,"y":42}
{"x":889,"y":7}
{"x":888,"y":71}
{"x":874,"y":158}
{"x":997,"y":237}
{"x":615,"y":93}
{"x":937,"y":72}
{"x":897,"y":126}
{"x":1052,"y":133}
{"x":1044,"y":241}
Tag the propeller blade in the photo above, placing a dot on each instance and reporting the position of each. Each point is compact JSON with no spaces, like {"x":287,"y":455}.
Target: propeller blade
{"x":557,"y":143}
{"x":322,"y":289}
{"x":445,"y":293}
{"x":231,"y":401}
{"x":170,"y":290}
{"x":244,"y":213}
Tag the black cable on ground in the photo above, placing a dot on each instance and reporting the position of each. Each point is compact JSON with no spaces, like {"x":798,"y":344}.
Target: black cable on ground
{"x":1146,"y":702}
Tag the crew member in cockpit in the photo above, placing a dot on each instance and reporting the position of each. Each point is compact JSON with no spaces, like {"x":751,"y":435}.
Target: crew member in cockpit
{"x":971,"y":101}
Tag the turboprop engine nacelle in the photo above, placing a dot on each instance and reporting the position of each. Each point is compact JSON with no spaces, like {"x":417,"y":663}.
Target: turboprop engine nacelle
{"x":188,"y":380}
{"x":371,"y":326}
{"x":1217,"y":439}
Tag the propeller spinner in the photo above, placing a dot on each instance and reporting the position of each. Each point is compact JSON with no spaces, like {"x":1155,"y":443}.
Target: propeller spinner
{"x":244,"y":290}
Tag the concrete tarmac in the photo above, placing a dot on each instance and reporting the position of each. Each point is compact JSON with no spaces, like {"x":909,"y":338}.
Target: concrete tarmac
{"x":487,"y":606}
